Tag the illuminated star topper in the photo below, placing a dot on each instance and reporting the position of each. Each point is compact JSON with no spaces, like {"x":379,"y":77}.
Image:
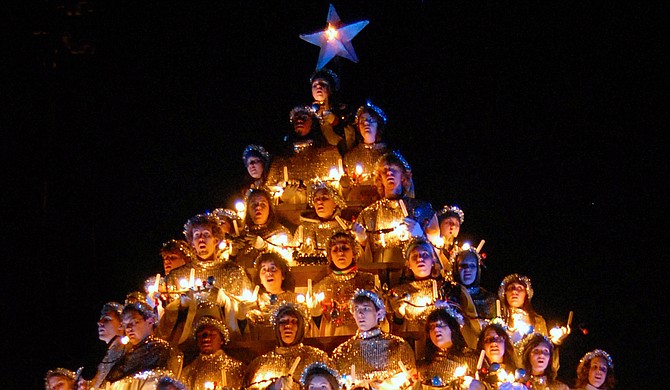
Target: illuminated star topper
{"x":335,"y":40}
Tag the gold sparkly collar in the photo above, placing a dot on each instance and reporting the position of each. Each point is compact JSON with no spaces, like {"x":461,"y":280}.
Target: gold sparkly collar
{"x":284,"y":350}
{"x":207,"y":264}
{"x":212,"y":356}
{"x":376,"y":145}
{"x":369,"y":334}
{"x":300,"y":146}
{"x":344,"y":277}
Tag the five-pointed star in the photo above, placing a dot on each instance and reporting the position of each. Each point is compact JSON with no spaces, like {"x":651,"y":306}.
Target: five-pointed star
{"x":335,"y":40}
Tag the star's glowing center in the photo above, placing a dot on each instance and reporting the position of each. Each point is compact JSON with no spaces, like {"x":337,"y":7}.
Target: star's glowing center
{"x":331,"y":32}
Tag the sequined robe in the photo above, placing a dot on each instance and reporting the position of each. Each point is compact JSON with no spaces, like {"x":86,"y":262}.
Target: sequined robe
{"x":376,"y":357}
{"x":419,"y":303}
{"x":275,"y":364}
{"x":261,"y":317}
{"x":229,"y":277}
{"x":212,"y":368}
{"x":316,"y":233}
{"x":151,"y":353}
{"x":541,"y":383}
{"x":247,"y":255}
{"x":338,"y":289}
{"x":305,"y":162}
{"x":115,"y":351}
{"x":386,"y":234}
{"x":438,"y":372}
{"x":366,"y":155}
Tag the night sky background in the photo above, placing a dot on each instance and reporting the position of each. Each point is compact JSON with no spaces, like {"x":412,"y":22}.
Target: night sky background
{"x":539,"y":121}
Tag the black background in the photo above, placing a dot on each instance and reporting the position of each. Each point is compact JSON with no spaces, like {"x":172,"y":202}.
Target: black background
{"x":539,"y":121}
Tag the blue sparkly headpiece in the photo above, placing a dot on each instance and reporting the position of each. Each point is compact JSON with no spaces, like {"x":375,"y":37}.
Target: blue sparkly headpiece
{"x":211,"y":321}
{"x":317,"y":185}
{"x":376,"y":300}
{"x":369,"y":105}
{"x":518,"y":279}
{"x":265,"y":155}
{"x":319,"y":366}
{"x":285,"y":306}
{"x":58,"y":372}
{"x":168,"y":380}
{"x":598,"y":353}
{"x":393,"y":155}
{"x":326,"y":74}
{"x":448,"y":211}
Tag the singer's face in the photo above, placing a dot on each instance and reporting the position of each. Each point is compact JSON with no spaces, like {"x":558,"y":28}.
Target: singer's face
{"x":320,"y":90}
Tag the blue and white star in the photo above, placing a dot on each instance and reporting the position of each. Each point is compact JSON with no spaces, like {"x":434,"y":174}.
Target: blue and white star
{"x":335,"y":40}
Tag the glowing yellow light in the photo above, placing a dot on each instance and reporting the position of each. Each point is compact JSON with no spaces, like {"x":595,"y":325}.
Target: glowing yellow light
{"x":556,"y":332}
{"x":334,"y":173}
{"x":282,"y":239}
{"x":124,"y":340}
{"x":466,"y":246}
{"x":300,"y":298}
{"x":502,"y":376}
{"x":246,"y":295}
{"x":209,"y":386}
{"x":523,"y":327}
{"x":331,"y":32}
{"x":320,"y":296}
{"x":467,"y":381}
{"x":359,"y":169}
{"x":460,"y":371}
{"x":183,"y":283}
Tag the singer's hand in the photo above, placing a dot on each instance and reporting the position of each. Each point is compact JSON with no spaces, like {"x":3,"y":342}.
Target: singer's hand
{"x":359,"y":232}
{"x":413,"y":227}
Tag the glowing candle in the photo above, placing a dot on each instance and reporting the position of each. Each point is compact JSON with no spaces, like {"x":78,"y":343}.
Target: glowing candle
{"x":569,"y":318}
{"x":237,"y":229}
{"x":183,"y":284}
{"x":254,"y":295}
{"x":359,"y":169}
{"x":224,"y":383}
{"x":481,"y":244}
{"x":294,"y":366}
{"x":498,"y":308}
{"x":285,"y":174}
{"x":299,"y":234}
{"x":191,"y":279}
{"x":340,"y":221}
{"x":434,"y":283}
{"x":378,"y":284}
{"x":340,"y":169}
{"x":404,"y":209}
{"x":480,"y":362}
{"x":460,"y":371}
{"x":309,"y":287}
{"x":404,"y":371}
{"x":157,"y":283}
{"x":333,"y":173}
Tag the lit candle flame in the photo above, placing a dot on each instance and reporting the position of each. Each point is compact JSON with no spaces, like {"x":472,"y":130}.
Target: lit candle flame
{"x":183,"y":284}
{"x":359,"y":169}
{"x":460,"y":371}
{"x":333,"y":173}
{"x":331,"y":32}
